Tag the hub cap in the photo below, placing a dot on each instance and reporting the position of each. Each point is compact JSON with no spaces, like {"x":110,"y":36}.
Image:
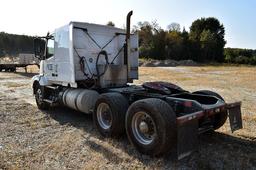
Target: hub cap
{"x":104,"y":116}
{"x":143,"y":128}
{"x":39,"y":96}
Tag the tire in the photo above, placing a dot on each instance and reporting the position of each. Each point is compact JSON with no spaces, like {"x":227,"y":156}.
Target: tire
{"x":219,"y":119}
{"x":161,"y":116}
{"x":39,"y":93}
{"x":109,"y":114}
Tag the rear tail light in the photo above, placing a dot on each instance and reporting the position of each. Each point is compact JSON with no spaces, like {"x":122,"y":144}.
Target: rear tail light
{"x":188,"y":104}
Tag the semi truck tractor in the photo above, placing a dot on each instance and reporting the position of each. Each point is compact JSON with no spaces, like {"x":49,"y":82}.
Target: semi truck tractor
{"x":91,"y":68}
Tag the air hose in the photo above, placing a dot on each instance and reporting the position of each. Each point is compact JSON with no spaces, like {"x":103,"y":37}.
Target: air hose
{"x":102,"y":52}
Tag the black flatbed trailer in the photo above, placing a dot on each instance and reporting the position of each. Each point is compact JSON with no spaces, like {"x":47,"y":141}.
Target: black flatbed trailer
{"x":13,"y":67}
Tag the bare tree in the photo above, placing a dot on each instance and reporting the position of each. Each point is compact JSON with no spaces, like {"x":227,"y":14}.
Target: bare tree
{"x":174,"y":27}
{"x":110,"y":23}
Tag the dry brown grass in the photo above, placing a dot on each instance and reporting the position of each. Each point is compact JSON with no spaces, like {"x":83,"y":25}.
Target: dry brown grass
{"x":233,"y":83}
{"x":65,"y":139}
{"x":32,"y":69}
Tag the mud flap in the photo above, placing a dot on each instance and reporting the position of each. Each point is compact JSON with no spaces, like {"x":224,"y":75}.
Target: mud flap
{"x":235,"y":117}
{"x":187,"y":138}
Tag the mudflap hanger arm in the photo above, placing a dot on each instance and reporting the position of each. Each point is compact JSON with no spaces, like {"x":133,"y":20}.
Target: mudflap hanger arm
{"x":234,"y":111}
{"x":187,"y":126}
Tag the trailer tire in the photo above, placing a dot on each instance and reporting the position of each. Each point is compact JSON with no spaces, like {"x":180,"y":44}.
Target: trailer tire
{"x":220,"y":118}
{"x":158,"y":117}
{"x":109,"y":114}
{"x":13,"y":69}
{"x":38,"y":91}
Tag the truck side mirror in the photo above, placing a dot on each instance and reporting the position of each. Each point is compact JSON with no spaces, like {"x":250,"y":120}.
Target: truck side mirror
{"x":39,"y":48}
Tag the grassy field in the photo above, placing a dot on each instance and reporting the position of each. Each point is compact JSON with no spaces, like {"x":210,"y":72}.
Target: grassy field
{"x":65,"y":139}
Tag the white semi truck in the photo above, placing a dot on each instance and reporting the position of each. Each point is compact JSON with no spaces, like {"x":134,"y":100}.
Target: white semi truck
{"x":90,"y":68}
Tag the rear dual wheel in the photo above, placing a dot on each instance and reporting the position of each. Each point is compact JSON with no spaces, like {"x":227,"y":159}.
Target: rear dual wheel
{"x":150,"y":123}
{"x":151,"y":126}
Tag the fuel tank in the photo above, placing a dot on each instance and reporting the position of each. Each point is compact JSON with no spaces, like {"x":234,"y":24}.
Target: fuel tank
{"x":80,"y":99}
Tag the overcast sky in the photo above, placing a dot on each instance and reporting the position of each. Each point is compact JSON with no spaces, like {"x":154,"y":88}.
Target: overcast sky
{"x":36,"y":17}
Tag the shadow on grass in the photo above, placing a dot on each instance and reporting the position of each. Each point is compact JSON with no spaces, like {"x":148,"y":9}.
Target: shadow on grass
{"x":216,"y":150}
{"x":66,"y":116}
{"x":26,"y":74}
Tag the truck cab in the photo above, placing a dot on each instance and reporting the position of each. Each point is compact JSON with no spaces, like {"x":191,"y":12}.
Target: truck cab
{"x":82,"y":53}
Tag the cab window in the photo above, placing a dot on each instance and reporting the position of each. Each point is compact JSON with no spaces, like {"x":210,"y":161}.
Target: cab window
{"x":50,"y":48}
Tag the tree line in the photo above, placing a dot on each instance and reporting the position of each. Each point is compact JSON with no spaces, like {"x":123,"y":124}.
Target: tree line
{"x":240,"y":56}
{"x":203,"y":42}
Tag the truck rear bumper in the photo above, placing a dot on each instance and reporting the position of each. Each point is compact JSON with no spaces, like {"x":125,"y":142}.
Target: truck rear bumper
{"x":233,"y":110}
{"x":187,"y":126}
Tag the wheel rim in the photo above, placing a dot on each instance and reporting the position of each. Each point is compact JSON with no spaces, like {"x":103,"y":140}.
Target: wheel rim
{"x":143,"y":128}
{"x":104,"y":116}
{"x":39,"y":96}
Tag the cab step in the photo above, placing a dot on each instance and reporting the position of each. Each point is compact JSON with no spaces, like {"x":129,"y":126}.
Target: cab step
{"x":52,"y":87}
{"x":48,"y":101}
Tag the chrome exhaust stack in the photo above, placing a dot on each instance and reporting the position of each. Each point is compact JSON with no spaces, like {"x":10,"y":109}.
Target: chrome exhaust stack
{"x":128,"y":46}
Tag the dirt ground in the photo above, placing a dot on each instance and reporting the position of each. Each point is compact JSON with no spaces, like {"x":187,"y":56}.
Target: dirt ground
{"x":65,"y":139}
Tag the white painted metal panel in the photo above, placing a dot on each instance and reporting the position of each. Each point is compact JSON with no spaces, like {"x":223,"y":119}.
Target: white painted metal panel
{"x":89,"y":49}
{"x":134,"y":56}
{"x":62,"y":57}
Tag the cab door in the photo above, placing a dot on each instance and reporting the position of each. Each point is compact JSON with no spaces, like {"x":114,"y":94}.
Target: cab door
{"x":50,"y":65}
